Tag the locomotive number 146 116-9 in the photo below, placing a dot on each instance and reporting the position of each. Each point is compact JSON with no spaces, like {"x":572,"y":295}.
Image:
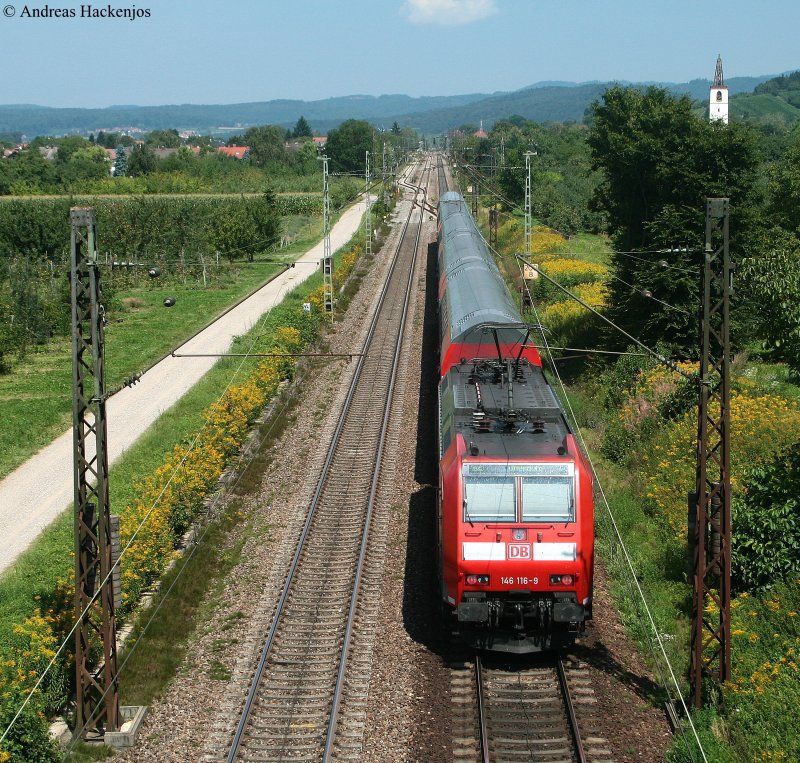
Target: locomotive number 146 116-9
{"x":519,"y":581}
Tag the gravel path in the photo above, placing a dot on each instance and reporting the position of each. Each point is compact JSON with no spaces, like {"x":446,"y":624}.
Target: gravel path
{"x":33,"y":495}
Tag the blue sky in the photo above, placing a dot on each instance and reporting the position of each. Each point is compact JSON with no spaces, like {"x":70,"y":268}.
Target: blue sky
{"x":254,"y":50}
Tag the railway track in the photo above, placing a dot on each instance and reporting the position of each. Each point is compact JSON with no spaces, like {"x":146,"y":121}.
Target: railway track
{"x":306,"y":700}
{"x":544,"y":713}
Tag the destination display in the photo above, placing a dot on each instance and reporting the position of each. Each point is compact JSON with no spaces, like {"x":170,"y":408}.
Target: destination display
{"x":519,"y":470}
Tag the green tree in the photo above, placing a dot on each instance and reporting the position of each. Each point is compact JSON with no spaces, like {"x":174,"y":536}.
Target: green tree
{"x":86,"y":164}
{"x":141,"y":161}
{"x":265,"y":143}
{"x":784,"y":187}
{"x":302,"y":129}
{"x":771,"y":275}
{"x":29,"y":172}
{"x":163,"y":139}
{"x":305,"y":158}
{"x":68,"y":146}
{"x":237,"y":232}
{"x":347,"y":145}
{"x":121,"y":162}
{"x":659,"y":161}
{"x":766,"y":523}
{"x":107,"y":139}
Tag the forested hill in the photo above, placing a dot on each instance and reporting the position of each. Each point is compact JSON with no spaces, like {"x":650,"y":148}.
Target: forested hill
{"x":544,"y":102}
{"x":777,"y":100}
{"x":562,"y":103}
{"x":41,"y":120}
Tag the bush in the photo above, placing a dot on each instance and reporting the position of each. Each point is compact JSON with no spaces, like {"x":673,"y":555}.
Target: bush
{"x":668,"y":465}
{"x":568,"y":273}
{"x":34,"y":646}
{"x":766,"y":523}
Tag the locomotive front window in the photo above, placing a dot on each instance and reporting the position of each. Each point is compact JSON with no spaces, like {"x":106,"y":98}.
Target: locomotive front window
{"x":490,"y":499}
{"x":548,"y":499}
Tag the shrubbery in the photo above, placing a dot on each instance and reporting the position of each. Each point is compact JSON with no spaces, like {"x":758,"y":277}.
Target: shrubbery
{"x":766,"y":522}
{"x":655,"y":431}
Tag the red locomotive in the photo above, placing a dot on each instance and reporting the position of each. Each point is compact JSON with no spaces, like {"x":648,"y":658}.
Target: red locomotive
{"x":516,"y":511}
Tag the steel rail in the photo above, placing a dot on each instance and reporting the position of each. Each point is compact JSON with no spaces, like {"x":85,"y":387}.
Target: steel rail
{"x":339,"y":686}
{"x":483,"y":731}
{"x":570,"y":708}
{"x":251,"y":695}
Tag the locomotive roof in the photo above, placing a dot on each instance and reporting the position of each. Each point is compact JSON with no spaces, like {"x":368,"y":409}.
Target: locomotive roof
{"x":536,"y":427}
{"x":476,"y":294}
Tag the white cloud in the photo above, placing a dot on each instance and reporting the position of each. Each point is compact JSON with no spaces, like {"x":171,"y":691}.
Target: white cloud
{"x":448,"y":12}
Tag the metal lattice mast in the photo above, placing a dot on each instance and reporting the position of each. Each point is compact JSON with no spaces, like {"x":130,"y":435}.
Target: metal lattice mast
{"x":528,"y":219}
{"x":494,"y":224}
{"x":368,"y":214}
{"x":710,"y":516}
{"x":384,"y":176}
{"x":97,"y":687}
{"x":327,"y":260}
{"x":475,"y":198}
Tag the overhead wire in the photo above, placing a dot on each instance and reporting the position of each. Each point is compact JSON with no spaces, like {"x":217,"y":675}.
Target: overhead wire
{"x":633,"y":577}
{"x":209,"y":524}
{"x":649,"y":295}
{"x":632,"y":253}
{"x":663,"y":263}
{"x":123,"y":551}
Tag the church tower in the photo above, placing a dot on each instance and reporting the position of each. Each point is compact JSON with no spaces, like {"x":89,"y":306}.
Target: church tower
{"x":718,"y":97}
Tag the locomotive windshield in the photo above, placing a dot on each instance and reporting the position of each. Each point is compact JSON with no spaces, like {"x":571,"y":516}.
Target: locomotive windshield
{"x":519,"y":492}
{"x":490,"y":499}
{"x":548,"y":499}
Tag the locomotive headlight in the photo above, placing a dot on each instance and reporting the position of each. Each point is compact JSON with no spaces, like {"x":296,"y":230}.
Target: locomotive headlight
{"x":477,"y":580}
{"x":562,"y":579}
{"x":519,"y":533}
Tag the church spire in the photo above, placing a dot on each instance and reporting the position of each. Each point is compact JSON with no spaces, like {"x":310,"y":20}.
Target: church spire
{"x":718,"y":79}
{"x":718,"y":96}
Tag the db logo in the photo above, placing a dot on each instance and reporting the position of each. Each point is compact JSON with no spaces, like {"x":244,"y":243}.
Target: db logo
{"x":519,"y":550}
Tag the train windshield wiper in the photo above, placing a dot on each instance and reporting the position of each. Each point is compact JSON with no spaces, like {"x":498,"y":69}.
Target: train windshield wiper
{"x":466,"y":514}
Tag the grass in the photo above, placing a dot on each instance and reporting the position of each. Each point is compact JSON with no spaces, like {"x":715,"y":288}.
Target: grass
{"x":161,"y":649}
{"x":774,"y":377}
{"x":746,"y":719}
{"x":159,"y":641}
{"x":36,"y":397}
{"x":660,"y":568}
{"x":589,"y":247}
{"x":36,"y":571}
